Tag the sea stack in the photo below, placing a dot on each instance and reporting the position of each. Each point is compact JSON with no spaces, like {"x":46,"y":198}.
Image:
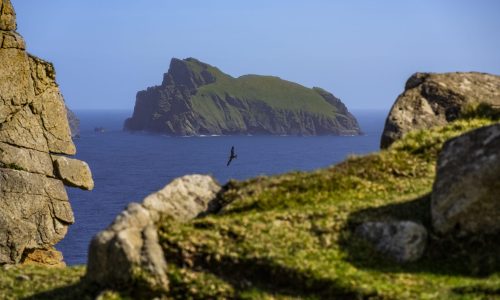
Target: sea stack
{"x":196,"y":98}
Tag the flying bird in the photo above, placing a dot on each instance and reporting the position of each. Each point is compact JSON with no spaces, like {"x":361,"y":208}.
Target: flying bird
{"x":231,"y":156}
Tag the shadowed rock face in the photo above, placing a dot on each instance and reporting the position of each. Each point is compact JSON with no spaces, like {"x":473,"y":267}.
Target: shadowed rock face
{"x":34,"y":209}
{"x":466,"y":193}
{"x":74,"y":123}
{"x":197,"y":99}
{"x":436,"y":99}
{"x":403,"y":241}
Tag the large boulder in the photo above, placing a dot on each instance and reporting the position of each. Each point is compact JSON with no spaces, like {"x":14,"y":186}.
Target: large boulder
{"x":128,"y":250}
{"x":466,"y":192}
{"x":34,"y":209}
{"x":184,"y":198}
{"x":403,"y":241}
{"x":435,"y":99}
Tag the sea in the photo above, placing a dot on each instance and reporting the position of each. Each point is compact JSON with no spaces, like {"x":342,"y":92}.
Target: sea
{"x":127,"y":167}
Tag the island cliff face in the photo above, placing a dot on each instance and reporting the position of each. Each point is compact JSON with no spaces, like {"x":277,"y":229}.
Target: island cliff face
{"x":34,"y":208}
{"x":198,"y":99}
{"x":74,"y":123}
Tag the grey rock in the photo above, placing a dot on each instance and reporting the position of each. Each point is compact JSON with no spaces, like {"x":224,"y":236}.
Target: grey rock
{"x":73,"y":172}
{"x":466,"y":193}
{"x":403,"y":241}
{"x":129,"y":246}
{"x":184,"y":198}
{"x":435,"y":99}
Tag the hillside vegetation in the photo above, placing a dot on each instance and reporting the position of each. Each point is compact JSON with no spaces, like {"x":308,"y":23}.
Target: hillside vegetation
{"x":291,"y":237}
{"x":271,"y":90}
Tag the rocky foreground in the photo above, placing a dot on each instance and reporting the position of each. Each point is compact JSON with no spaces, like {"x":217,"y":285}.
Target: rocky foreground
{"x":198,"y":99}
{"x":416,"y":220}
{"x":34,"y":138}
{"x":381,"y":226}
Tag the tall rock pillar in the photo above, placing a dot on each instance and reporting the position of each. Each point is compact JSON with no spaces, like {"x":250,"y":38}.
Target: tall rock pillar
{"x":34,"y":135}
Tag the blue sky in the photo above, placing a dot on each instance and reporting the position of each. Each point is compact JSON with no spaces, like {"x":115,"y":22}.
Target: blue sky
{"x":361,"y":51}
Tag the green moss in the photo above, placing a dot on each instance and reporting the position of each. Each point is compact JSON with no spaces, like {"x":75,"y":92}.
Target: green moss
{"x":31,"y":282}
{"x":481,"y":110}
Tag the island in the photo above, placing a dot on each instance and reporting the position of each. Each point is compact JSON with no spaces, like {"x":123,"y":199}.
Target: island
{"x":196,"y":98}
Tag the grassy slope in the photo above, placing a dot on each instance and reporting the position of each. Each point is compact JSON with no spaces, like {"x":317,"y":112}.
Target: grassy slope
{"x":273,"y":91}
{"x":289,"y":237}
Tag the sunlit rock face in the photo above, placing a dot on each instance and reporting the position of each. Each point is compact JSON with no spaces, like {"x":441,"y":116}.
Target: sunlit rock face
{"x":34,"y":208}
{"x":433,"y":99}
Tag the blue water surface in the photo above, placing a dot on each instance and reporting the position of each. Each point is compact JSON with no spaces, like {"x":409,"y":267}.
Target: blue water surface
{"x":127,"y":167}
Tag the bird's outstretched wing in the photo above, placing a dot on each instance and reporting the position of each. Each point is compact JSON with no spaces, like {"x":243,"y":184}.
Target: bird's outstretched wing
{"x":231,"y":156}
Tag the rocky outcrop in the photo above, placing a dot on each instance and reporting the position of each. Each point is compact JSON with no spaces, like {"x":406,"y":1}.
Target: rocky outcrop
{"x":73,"y":172}
{"x":44,"y":257}
{"x":34,"y":209}
{"x":198,"y":99}
{"x":74,"y":123}
{"x":128,"y":250}
{"x":466,"y":192}
{"x":403,"y":241}
{"x":436,"y":99}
